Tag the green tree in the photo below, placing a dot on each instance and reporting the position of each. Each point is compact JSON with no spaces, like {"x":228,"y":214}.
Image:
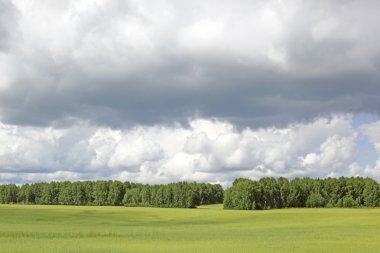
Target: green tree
{"x":315,"y":200}
{"x":116,"y":193}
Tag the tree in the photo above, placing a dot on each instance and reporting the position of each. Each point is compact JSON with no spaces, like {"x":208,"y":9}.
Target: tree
{"x":244,"y":194}
{"x":116,"y":193}
{"x":100,"y":193}
{"x":371,"y":193}
{"x":65,"y":193}
{"x":8,"y":194}
{"x":315,"y":200}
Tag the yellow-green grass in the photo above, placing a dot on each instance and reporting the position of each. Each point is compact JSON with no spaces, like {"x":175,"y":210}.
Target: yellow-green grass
{"x":206,"y":229}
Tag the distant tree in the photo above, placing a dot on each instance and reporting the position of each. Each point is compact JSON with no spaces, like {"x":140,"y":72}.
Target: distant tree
{"x":371,"y":193}
{"x":305,"y":192}
{"x":315,"y":200}
{"x":284,"y":186}
{"x":100,"y":193}
{"x":65,"y":196}
{"x":244,"y":194}
{"x":77,"y":192}
{"x":88,"y":196}
{"x":25,"y":195}
{"x":347,"y":201}
{"x":8,"y":194}
{"x":132,"y":197}
{"x":266,"y":193}
{"x":116,"y":193}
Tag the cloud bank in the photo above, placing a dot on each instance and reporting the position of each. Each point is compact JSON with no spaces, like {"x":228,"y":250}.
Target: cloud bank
{"x":207,"y":150}
{"x":159,"y":91}
{"x":122,"y":63}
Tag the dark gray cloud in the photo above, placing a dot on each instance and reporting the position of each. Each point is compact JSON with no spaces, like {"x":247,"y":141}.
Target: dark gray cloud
{"x":251,"y":62}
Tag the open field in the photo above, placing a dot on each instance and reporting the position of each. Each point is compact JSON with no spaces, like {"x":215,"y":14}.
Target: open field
{"x":206,"y":229}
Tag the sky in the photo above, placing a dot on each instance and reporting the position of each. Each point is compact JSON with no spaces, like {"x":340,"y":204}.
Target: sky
{"x":164,"y":91}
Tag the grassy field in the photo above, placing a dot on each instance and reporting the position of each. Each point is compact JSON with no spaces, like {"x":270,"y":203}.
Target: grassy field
{"x":206,"y":229}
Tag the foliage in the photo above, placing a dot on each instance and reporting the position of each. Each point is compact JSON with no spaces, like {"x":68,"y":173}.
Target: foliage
{"x":315,"y":200}
{"x":114,"y":193}
{"x":269,"y":193}
{"x":244,"y":194}
{"x":180,"y":194}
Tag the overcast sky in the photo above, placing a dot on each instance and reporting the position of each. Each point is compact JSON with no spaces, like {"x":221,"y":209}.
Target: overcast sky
{"x":160,"y":91}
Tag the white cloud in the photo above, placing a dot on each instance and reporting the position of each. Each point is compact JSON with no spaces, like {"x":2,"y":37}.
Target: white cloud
{"x":208,"y":150}
{"x":202,"y":36}
{"x":372,"y":131}
{"x":334,"y":154}
{"x":27,"y":147}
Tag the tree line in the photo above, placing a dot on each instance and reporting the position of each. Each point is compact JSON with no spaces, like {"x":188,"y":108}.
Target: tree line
{"x":269,"y":193}
{"x":113,"y":193}
{"x":244,"y":194}
{"x":181,"y":194}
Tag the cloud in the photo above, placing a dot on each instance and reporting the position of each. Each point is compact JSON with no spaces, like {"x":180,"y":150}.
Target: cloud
{"x":105,"y":89}
{"x":371,"y":131}
{"x":206,"y":150}
{"x":123,"y":63}
{"x":8,"y":18}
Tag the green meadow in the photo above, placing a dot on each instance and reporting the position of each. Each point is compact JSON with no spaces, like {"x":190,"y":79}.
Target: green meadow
{"x":109,"y":229}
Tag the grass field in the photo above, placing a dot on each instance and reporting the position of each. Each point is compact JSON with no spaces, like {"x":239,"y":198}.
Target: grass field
{"x":206,"y":229}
